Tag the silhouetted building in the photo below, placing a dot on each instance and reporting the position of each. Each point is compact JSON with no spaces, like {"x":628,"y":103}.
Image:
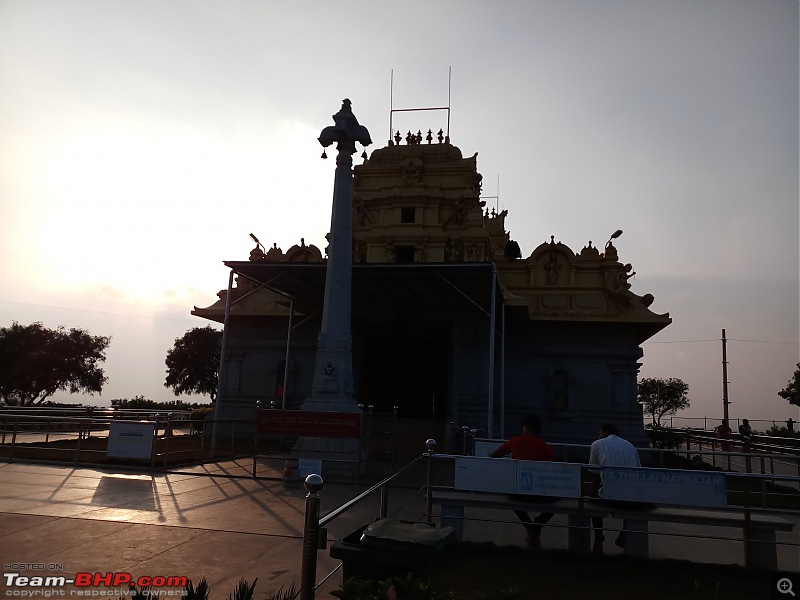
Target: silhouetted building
{"x":450,"y":323}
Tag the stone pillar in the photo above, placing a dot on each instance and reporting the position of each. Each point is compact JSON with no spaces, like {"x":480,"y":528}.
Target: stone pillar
{"x":332,"y":388}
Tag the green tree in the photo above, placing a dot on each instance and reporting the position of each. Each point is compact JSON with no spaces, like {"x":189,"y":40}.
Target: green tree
{"x":193,"y":362}
{"x":792,"y":390}
{"x":663,"y":397}
{"x":142,"y":403}
{"x":36,"y":362}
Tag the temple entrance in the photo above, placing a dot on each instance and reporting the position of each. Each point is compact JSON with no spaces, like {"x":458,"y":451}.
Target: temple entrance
{"x":406,"y":367}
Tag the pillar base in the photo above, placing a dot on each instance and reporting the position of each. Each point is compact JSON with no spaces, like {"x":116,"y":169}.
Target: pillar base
{"x":340,"y":456}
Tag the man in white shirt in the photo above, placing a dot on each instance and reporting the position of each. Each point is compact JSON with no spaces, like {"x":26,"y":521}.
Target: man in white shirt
{"x":610,"y":450}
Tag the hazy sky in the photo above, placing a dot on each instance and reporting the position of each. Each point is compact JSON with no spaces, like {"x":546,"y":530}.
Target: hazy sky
{"x":140,"y":143}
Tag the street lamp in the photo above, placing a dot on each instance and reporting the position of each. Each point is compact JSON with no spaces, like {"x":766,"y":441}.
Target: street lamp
{"x":255,"y":239}
{"x":614,"y":236}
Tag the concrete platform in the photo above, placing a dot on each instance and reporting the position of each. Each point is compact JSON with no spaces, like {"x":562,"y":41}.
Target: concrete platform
{"x":214,"y":521}
{"x":223,"y":527}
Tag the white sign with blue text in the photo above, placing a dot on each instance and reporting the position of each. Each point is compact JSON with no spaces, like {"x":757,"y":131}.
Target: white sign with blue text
{"x":664,"y":486}
{"x":130,"y":440}
{"x":309,"y":466}
{"x":480,"y":474}
{"x":562,"y":480}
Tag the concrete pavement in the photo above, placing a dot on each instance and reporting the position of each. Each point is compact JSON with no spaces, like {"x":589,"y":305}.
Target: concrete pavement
{"x":229,"y":526}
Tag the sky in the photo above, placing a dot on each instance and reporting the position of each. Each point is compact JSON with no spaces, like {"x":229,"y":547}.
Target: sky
{"x":142,"y":141}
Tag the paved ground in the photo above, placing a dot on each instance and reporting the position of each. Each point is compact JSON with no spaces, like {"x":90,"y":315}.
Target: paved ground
{"x":230,"y":526}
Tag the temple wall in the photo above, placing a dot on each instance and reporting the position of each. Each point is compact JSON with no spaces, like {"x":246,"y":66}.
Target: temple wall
{"x":574,"y":375}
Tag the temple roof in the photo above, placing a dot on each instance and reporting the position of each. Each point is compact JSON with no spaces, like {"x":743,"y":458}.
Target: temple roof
{"x":420,"y":227}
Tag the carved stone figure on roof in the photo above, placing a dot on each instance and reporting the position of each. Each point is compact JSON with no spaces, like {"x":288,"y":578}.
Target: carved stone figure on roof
{"x":590,"y":251}
{"x":362,"y":211}
{"x":458,"y":215}
{"x":475,"y":182}
{"x":274,"y":254}
{"x":611,"y":252}
{"x":553,"y":266}
{"x":419,"y":252}
{"x":453,"y":250}
{"x":617,"y":286}
{"x":389,"y":252}
{"x":412,"y":171}
{"x":359,"y":252}
{"x":256,"y":254}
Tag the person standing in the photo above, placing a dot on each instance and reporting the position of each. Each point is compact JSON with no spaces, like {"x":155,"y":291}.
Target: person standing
{"x":724,"y":432}
{"x":746,"y":434}
{"x":529,"y":446}
{"x":610,"y":450}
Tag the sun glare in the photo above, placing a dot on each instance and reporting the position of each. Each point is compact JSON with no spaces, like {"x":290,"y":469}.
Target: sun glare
{"x":147,"y":212}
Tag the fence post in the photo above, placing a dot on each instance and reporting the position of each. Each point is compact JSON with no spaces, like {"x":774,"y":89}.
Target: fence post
{"x":78,"y":446}
{"x":308,"y":573}
{"x":90,"y":414}
{"x":14,"y":443}
{"x":748,"y":546}
{"x":688,"y":444}
{"x":384,"y":509}
{"x":153,"y":449}
{"x":431,"y":444}
{"x":167,"y":434}
{"x":255,"y":438}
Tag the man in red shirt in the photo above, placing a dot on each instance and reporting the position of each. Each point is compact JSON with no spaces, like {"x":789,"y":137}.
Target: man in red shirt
{"x":529,"y":446}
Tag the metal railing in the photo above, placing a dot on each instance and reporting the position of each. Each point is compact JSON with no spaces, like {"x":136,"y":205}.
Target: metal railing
{"x":711,"y":422}
{"x":314,"y":529}
{"x":747,"y":487}
{"x":177,"y":440}
{"x":76,"y":438}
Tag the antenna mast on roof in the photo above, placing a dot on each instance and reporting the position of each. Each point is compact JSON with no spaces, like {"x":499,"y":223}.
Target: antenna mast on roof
{"x":497,"y":197}
{"x":393,"y":110}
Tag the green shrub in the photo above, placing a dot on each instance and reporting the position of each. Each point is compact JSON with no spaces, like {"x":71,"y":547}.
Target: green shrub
{"x":199,"y":593}
{"x":661,"y":437}
{"x":407,"y":588}
{"x":198,"y":415}
{"x":243,"y":590}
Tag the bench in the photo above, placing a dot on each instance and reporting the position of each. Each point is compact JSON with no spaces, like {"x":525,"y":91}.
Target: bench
{"x":637,"y":496}
{"x":578,"y":513}
{"x":488,"y":483}
{"x":685,"y":497}
{"x":759,"y":530}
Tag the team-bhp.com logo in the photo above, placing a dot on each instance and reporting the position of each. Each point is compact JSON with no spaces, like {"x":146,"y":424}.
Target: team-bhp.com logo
{"x":91,"y":584}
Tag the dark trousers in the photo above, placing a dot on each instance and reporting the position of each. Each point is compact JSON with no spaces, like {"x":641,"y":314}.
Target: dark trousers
{"x":533,"y":526}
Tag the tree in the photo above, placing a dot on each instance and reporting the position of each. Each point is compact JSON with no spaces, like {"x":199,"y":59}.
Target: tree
{"x":792,"y":390}
{"x":662,"y":397}
{"x":36,"y":362}
{"x":193,"y":362}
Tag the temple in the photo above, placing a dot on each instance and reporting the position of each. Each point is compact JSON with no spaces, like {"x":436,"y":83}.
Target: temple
{"x":450,"y":322}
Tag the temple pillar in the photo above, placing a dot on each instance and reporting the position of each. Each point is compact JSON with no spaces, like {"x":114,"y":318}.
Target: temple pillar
{"x":332,"y":388}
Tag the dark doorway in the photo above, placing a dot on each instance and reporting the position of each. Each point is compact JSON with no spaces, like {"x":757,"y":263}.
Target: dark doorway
{"x":407,"y":367}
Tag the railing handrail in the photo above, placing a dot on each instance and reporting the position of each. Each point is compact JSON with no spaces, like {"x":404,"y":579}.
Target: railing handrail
{"x":369,"y":491}
{"x":591,"y":467}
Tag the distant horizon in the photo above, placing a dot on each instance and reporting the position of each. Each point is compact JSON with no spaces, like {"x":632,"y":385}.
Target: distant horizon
{"x":680,"y":420}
